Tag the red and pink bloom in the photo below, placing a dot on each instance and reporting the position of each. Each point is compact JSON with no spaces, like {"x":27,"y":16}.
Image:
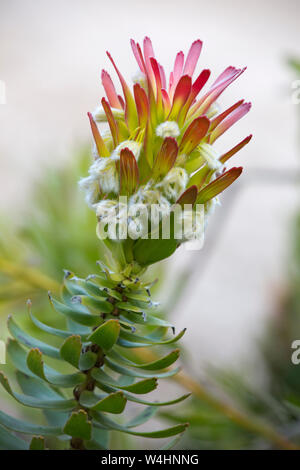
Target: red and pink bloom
{"x":159,"y":136}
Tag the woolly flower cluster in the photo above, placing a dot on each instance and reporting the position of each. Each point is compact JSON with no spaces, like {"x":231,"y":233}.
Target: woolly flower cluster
{"x":154,"y":145}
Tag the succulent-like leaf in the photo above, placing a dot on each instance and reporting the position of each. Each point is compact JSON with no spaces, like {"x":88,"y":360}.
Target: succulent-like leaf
{"x":71,"y":349}
{"x":37,"y":443}
{"x":79,"y":425}
{"x":106,"y":335}
{"x":162,"y":363}
{"x":113,"y":403}
{"x":18,"y":425}
{"x":9,"y":441}
{"x":52,"y":404}
{"x":110,"y":424}
{"x":29,"y":341}
{"x":100,"y":341}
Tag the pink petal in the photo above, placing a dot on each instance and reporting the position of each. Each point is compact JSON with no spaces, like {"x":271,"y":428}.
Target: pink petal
{"x":159,"y":101}
{"x":166,"y":100}
{"x":130,"y":109}
{"x":162,"y":76}
{"x":228,"y":73}
{"x":110,"y":90}
{"x":136,"y":53}
{"x":196,"y":88}
{"x":215,"y":91}
{"x":181,"y":94}
{"x":192,"y":58}
{"x":218,"y":119}
{"x":148,"y":53}
{"x":230,"y":120}
{"x":177,"y":72}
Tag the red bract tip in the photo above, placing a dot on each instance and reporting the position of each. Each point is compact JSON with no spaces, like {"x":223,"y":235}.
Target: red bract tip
{"x":101,"y":147}
{"x":218,"y":185}
{"x":166,"y":157}
{"x":235,"y":149}
{"x":189,"y":196}
{"x":129,"y":173}
{"x":193,"y":135}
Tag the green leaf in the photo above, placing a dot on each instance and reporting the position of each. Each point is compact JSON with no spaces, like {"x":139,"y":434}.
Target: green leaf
{"x":35,"y":387}
{"x":106,"y":335}
{"x":23,"y":427}
{"x":148,"y":320}
{"x":78,"y":313}
{"x":157,"y":403}
{"x":158,"y":364}
{"x":125,"y":371}
{"x":78,"y":425}
{"x":36,"y":365}
{"x":137,"y":296}
{"x":109,"y":385}
{"x":89,"y":288}
{"x":131,"y":340}
{"x":171,"y":444}
{"x":99,"y":441}
{"x":52,"y":331}
{"x":110,"y":424}
{"x":71,"y":349}
{"x":129,"y":307}
{"x":101,"y":280}
{"x":18,"y":356}
{"x":156,"y":248}
{"x":55,"y":404}
{"x":142,"y":418}
{"x":37,"y":443}
{"x":141,"y":387}
{"x":96,"y":305}
{"x":151,"y":251}
{"x":9,"y":441}
{"x":113,"y":403}
{"x":87,"y":360}
{"x":31,"y":342}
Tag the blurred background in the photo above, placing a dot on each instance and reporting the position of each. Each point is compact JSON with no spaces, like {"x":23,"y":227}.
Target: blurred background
{"x":233,"y":292}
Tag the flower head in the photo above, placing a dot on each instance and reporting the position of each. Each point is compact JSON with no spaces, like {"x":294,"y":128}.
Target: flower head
{"x":159,"y":137}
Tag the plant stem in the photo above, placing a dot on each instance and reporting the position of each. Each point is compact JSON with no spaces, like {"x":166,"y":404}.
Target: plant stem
{"x":233,"y":414}
{"x":236,"y":416}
